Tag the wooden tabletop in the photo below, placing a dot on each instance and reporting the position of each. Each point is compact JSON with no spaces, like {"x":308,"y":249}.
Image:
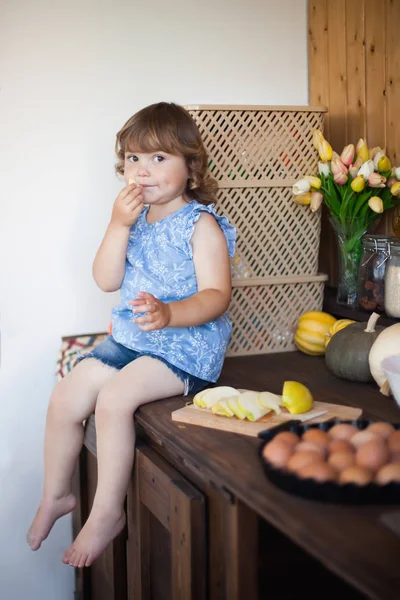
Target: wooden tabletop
{"x":351,"y":541}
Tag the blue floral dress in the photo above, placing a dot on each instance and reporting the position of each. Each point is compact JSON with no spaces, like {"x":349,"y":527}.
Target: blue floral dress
{"x":160,"y":261}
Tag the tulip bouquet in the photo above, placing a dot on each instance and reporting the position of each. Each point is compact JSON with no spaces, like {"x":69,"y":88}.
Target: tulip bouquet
{"x":356,"y":186}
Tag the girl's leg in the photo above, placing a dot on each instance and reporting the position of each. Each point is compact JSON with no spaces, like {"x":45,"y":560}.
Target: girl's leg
{"x":142,"y":381}
{"x":73,"y":400}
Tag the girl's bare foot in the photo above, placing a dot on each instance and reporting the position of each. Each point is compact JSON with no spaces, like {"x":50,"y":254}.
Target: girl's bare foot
{"x":48,"y":513}
{"x":98,"y":532}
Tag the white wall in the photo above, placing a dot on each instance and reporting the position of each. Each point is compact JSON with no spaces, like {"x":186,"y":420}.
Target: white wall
{"x":71,"y":73}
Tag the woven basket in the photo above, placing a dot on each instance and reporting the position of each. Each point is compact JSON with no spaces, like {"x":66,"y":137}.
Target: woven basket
{"x":250,"y":146}
{"x":264,"y":312}
{"x":256,"y":153}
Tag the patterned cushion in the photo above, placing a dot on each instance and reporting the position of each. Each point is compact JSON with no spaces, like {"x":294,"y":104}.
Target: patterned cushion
{"x":70,"y":349}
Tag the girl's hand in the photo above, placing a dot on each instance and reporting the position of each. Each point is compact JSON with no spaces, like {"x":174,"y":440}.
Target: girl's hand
{"x":158,"y":314}
{"x":128,"y":206}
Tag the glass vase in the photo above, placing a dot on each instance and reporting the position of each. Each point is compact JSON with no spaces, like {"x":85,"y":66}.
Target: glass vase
{"x":349,"y":232}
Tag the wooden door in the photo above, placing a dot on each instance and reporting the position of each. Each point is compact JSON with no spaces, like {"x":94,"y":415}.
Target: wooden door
{"x":166,"y":533}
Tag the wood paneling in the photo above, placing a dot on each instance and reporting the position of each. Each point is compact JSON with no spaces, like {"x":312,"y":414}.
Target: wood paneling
{"x":375,"y":75}
{"x":354,"y":70}
{"x":393,"y":79}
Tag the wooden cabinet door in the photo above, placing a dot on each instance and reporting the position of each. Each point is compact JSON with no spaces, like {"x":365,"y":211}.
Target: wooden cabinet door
{"x":107,"y":575}
{"x":166,"y":533}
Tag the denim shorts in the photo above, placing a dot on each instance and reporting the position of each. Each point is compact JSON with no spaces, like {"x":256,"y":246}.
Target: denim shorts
{"x":115,"y":355}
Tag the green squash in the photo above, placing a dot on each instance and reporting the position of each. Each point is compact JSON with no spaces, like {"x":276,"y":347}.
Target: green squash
{"x":347,"y":353}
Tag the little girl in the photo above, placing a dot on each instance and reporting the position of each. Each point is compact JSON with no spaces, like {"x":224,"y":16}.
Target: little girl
{"x":168,"y":252}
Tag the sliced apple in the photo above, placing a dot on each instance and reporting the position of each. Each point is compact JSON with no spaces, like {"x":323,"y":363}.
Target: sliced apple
{"x":222,"y":408}
{"x":225,"y":406}
{"x":271,"y":401}
{"x":216,"y":409}
{"x":248,"y":402}
{"x":233,"y":404}
{"x":210,"y":396}
{"x":198,"y":399}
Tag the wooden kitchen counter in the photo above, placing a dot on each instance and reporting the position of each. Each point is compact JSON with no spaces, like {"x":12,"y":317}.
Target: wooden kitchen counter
{"x":350,"y":541}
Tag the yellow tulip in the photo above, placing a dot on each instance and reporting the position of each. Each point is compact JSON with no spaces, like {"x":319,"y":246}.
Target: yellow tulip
{"x":314,"y":181}
{"x":395,"y":189}
{"x":317,"y":138}
{"x":358,"y":184}
{"x":325,"y":151}
{"x":384,"y":165}
{"x":364,"y":153}
{"x":303,"y":199}
{"x":361,"y":142}
{"x":375,"y":203}
{"x":380,"y":154}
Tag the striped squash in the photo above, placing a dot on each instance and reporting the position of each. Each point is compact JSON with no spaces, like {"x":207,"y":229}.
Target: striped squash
{"x":338,"y":326}
{"x":312,"y":327}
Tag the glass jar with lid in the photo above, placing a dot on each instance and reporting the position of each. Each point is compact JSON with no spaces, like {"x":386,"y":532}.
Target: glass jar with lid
{"x":392,"y":280}
{"x":371,"y":275}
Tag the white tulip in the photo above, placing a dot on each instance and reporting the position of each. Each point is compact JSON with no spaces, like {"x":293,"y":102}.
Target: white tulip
{"x":397,"y":173}
{"x":301,"y":187}
{"x":323,"y":169}
{"x":367,"y":169}
{"x":377,"y":158}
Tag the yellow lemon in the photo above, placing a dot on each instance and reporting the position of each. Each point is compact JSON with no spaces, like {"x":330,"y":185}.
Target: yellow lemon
{"x":296,"y":397}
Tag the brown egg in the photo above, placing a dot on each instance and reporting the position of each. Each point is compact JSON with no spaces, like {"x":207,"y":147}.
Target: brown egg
{"x":299,"y":460}
{"x":357,"y":475}
{"x":277,"y":453}
{"x":388,"y":473}
{"x":373,"y":455}
{"x":287,"y":436}
{"x":317,"y":436}
{"x":341,"y":460}
{"x":342,"y":431}
{"x":395,"y":457}
{"x":361,"y":437}
{"x":394,"y":441}
{"x":311,"y":447}
{"x":319,"y":471}
{"x":381,"y":428}
{"x":340,"y":446}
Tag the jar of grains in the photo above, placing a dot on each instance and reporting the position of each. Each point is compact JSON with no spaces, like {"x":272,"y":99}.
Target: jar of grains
{"x":392,"y":280}
{"x":371,"y":275}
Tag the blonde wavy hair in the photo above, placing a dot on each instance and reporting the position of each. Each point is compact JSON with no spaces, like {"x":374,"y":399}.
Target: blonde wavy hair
{"x":168,"y":127}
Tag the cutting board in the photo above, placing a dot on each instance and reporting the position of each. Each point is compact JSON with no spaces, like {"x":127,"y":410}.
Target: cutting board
{"x":321,"y":411}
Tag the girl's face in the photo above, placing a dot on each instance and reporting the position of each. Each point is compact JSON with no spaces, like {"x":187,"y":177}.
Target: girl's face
{"x":162,"y":176}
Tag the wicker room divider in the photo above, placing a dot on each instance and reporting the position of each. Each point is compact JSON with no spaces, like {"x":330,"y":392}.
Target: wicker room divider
{"x":256,"y":154}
